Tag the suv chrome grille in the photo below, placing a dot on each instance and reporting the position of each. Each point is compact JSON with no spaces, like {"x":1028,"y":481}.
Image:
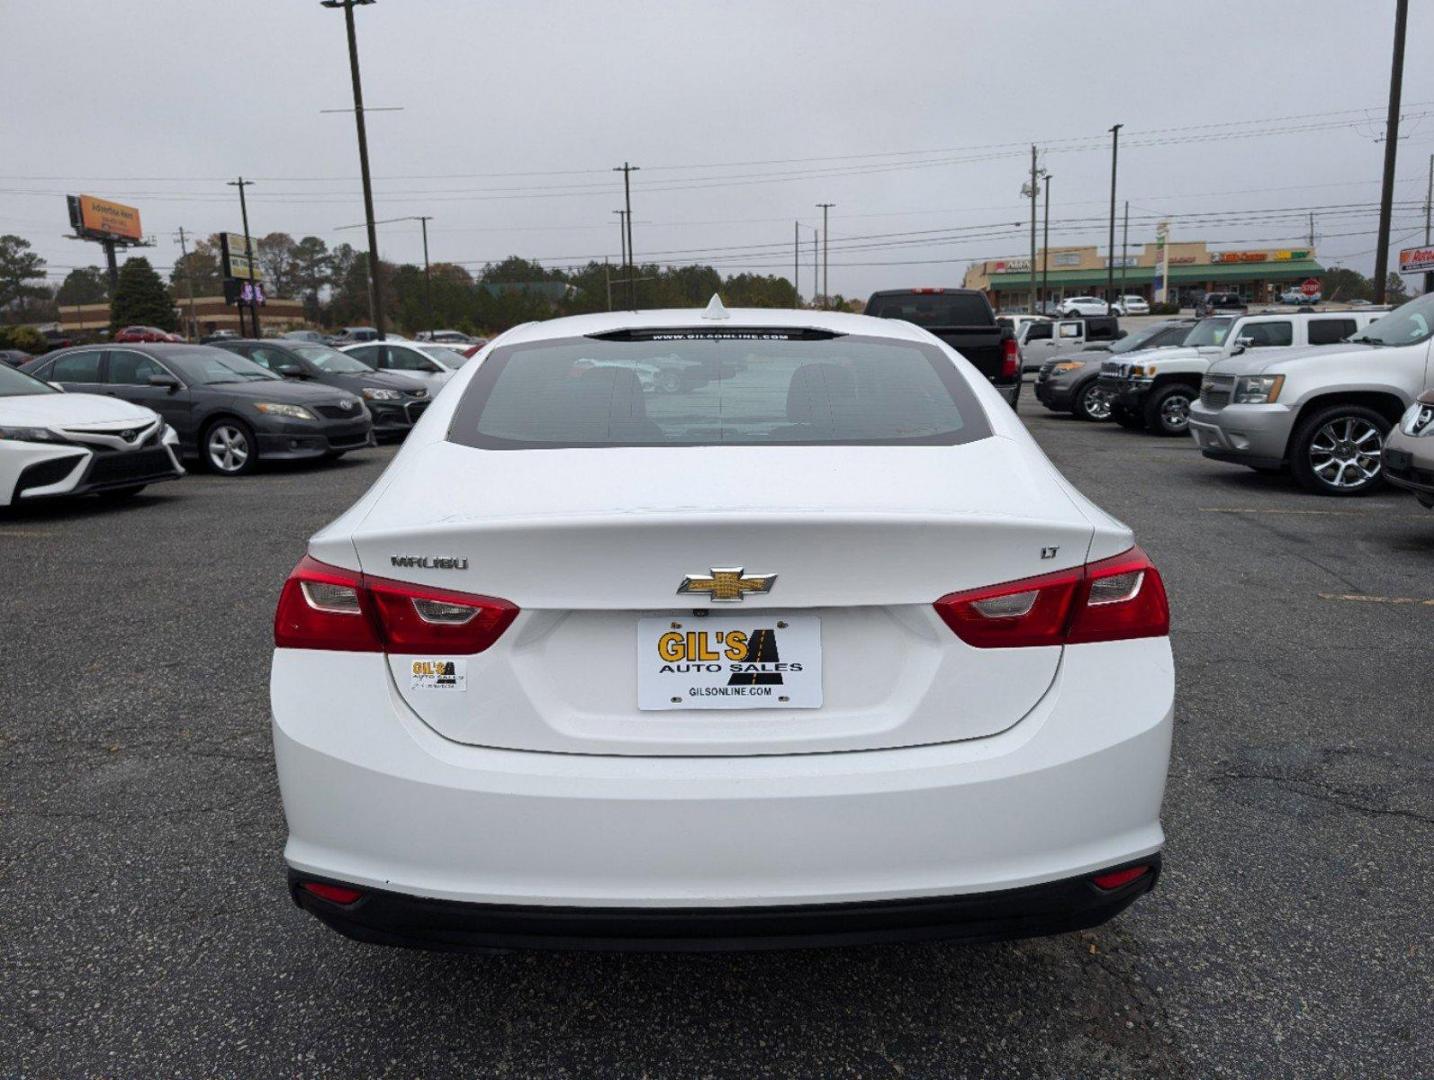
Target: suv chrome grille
{"x":1216,"y":390}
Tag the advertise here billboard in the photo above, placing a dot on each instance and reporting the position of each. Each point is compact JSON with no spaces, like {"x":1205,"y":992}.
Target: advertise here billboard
{"x":236,"y":263}
{"x":100,"y":219}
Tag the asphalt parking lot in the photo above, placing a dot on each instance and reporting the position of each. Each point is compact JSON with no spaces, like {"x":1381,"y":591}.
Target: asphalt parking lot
{"x":146,"y":931}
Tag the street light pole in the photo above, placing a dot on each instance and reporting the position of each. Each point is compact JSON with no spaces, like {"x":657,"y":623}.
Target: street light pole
{"x":427,"y":278}
{"x":1391,"y":152}
{"x":1046,"y":246}
{"x":1110,"y":247}
{"x":1428,"y":200}
{"x":375,"y":292}
{"x":826,"y":257}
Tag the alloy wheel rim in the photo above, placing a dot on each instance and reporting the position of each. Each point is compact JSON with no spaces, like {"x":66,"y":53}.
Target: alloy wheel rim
{"x":228,"y":448}
{"x":1175,"y":412}
{"x":1097,"y":403}
{"x":1347,"y":452}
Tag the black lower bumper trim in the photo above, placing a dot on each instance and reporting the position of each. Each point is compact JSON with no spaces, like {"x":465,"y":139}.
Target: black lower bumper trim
{"x":389,"y":918}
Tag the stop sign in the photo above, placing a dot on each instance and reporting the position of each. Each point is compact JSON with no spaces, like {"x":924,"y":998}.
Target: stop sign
{"x":1310,"y":287}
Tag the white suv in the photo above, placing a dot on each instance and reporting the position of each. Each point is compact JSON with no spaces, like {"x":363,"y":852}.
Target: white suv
{"x":1087,"y":305}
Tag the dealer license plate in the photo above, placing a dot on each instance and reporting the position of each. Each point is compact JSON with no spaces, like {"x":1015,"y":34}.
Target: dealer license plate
{"x":756,"y":661}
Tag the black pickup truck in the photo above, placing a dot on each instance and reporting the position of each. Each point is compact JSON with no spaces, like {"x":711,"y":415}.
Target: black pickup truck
{"x":964,"y":319}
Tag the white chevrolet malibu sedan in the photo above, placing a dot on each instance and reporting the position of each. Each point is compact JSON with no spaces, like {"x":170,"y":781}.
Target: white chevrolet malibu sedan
{"x":819,"y":648}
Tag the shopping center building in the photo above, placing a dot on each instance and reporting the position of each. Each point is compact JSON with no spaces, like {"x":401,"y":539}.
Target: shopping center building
{"x":1257,"y":274}
{"x":211,"y":313}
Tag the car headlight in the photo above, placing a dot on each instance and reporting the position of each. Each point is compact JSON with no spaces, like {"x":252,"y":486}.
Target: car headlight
{"x":1068,"y":365}
{"x":420,"y":392}
{"x":1418,"y":419}
{"x":29,"y":434}
{"x":278,"y":408}
{"x":1141,"y":371}
{"x":374,"y":393}
{"x":1258,"y":389}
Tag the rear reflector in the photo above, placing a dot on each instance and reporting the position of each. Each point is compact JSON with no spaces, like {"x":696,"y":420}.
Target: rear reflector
{"x":1116,"y":878}
{"x":1111,"y":600}
{"x":334,"y":894}
{"x":328,"y":607}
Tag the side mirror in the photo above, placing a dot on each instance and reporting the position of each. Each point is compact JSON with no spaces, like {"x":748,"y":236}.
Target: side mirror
{"x":1241,"y":344}
{"x":291,"y":371}
{"x":58,"y":386}
{"x":1121,"y":334}
{"x":169,"y":382}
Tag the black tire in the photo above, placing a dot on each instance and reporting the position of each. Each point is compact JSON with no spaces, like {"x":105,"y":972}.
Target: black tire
{"x":118,"y":495}
{"x":228,"y":447}
{"x":1338,"y":450}
{"x":1092,"y":403}
{"x":1167,"y":409}
{"x":1131,"y":421}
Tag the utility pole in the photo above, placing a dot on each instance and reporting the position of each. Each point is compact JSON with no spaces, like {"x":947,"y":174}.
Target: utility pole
{"x":1391,"y":151}
{"x":1124,"y":246}
{"x":189,"y":284}
{"x":815,"y":278}
{"x":1032,"y":189}
{"x":826,"y":257}
{"x":375,"y":292}
{"x":1311,"y":244}
{"x":427,"y":278}
{"x":1046,"y":245}
{"x":797,"y":264}
{"x":607,"y":277}
{"x":627,"y":170}
{"x":622,"y":235}
{"x":1428,"y":200}
{"x":1110,"y":247}
{"x":241,"y":184}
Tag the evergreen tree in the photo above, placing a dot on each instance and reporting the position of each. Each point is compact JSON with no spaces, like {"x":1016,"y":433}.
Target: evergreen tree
{"x":142,"y":298}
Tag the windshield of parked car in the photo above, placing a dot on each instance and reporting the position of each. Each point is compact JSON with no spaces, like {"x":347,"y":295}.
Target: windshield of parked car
{"x":1210,"y":332}
{"x":718,"y":387}
{"x":331,"y":360}
{"x":1408,"y":324}
{"x":210,"y":367}
{"x":452,"y":359}
{"x":17,"y":384}
{"x":932,"y":309}
{"x":1147,"y":337}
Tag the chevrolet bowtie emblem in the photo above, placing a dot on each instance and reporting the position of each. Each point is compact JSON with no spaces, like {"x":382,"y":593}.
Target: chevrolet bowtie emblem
{"x":727,"y":585}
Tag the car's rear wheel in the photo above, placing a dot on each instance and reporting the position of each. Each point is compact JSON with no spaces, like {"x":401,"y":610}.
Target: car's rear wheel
{"x":1131,"y":421}
{"x":229,"y":448}
{"x":1093,"y":403}
{"x":1167,"y":410}
{"x":1340,"y":450}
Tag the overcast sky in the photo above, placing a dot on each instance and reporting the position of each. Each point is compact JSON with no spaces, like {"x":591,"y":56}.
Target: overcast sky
{"x":913,"y":118}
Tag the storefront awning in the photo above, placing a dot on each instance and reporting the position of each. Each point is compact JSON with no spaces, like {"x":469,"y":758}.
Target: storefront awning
{"x":1135,"y":276}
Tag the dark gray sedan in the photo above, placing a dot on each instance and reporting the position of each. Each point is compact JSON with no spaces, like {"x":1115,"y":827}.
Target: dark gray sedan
{"x":395,"y":400}
{"x":228,"y":411}
{"x":1068,"y":383}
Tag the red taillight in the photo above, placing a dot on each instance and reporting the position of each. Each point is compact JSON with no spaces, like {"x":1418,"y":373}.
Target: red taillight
{"x":1116,"y":878}
{"x":1010,"y":359}
{"x":334,"y":894}
{"x":1110,"y":600}
{"x":326,"y":607}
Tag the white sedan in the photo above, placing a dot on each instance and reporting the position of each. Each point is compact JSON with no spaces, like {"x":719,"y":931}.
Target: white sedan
{"x":434,"y":364}
{"x":53,"y":443}
{"x":1074,"y":306}
{"x":1132,"y":305}
{"x":819,"y":648}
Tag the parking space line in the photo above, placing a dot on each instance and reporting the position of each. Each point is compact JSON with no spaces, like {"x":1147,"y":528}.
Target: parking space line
{"x":1301,"y":513}
{"x":35,"y":533}
{"x":1359,"y":598}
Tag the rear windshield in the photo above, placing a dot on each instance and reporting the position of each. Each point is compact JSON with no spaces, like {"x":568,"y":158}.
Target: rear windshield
{"x":932,"y":309}
{"x":724,"y":388}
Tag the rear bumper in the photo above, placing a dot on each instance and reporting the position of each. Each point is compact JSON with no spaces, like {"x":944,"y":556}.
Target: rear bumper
{"x":1056,"y":907}
{"x":376,"y":799}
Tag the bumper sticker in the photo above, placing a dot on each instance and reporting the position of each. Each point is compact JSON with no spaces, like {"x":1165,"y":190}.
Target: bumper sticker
{"x":438,"y":674}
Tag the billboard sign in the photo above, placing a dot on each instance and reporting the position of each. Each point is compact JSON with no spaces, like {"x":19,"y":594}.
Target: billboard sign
{"x":236,"y":264}
{"x":100,"y":219}
{"x":1416,"y":260}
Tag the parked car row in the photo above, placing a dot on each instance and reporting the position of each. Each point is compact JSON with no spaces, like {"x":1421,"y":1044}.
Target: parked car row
{"x":1338,"y":399}
{"x":114,"y":418}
